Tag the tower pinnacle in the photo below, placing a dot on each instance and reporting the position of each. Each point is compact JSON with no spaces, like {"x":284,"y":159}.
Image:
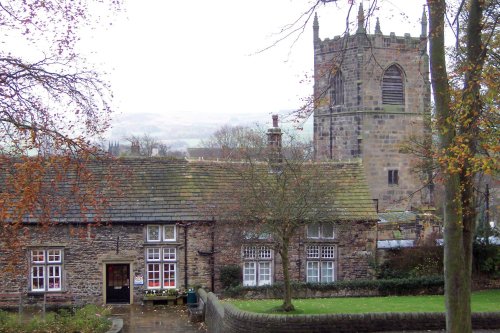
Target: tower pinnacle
{"x":316,"y":28}
{"x":424,"y":24}
{"x":377,"y":27}
{"x":361,"y":20}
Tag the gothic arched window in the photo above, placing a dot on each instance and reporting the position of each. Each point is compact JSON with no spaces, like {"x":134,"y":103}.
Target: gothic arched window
{"x":337,"y":90}
{"x":393,"y":87}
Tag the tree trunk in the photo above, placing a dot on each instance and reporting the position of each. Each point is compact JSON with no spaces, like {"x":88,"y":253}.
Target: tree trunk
{"x":469,"y":129}
{"x":457,"y":280}
{"x":285,"y":260}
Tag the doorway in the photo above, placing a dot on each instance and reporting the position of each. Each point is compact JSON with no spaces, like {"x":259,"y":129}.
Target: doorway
{"x":118,"y":283}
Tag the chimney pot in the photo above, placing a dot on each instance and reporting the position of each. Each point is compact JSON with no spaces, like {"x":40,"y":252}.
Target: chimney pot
{"x":275,"y":120}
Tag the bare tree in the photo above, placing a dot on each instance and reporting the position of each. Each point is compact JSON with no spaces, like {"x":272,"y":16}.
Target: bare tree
{"x":146,"y":145}
{"x":236,"y":142}
{"x":51,"y":106}
{"x":465,"y":90}
{"x":277,"y":196}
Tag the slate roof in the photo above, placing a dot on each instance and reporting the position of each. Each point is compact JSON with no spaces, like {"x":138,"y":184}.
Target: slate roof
{"x":395,"y":243}
{"x":163,"y":190}
{"x":397,"y":216}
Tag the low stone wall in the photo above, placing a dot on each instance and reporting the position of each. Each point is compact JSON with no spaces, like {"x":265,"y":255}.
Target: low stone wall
{"x":214,"y":312}
{"x":225,"y":318}
{"x":308,"y":293}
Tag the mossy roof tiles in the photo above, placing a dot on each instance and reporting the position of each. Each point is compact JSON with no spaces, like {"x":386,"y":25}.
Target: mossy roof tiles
{"x":164,"y":190}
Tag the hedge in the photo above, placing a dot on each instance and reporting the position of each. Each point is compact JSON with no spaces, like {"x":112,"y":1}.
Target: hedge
{"x":409,"y":286}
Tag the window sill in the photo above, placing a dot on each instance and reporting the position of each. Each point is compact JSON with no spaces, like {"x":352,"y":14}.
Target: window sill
{"x":48,"y":292}
{"x":321,"y":240}
{"x":162,"y":243}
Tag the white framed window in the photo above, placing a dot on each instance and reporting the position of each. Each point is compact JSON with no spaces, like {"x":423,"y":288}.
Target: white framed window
{"x":249,"y":273}
{"x":153,"y":274}
{"x":153,"y":233}
{"x":153,"y":254}
{"x":320,"y":264}
{"x":255,"y":235}
{"x":328,"y":252}
{"x":169,"y":275}
{"x":257,"y":265}
{"x":37,"y":278}
{"x":249,"y":252}
{"x":54,"y":277}
{"x":327,"y":230}
{"x":169,"y":232}
{"x":264,"y":273}
{"x":54,"y":256}
{"x":265,"y":252}
{"x":312,"y":251}
{"x":46,"y":269}
{"x":327,"y":271}
{"x":169,"y":254}
{"x":161,"y":267}
{"x":313,"y":271}
{"x":323,"y":230}
{"x":313,"y":230}
{"x":38,"y":256}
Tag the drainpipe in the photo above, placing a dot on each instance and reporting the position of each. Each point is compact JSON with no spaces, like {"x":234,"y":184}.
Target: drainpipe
{"x":186,"y":256}
{"x":331,"y":132}
{"x":212,"y":257}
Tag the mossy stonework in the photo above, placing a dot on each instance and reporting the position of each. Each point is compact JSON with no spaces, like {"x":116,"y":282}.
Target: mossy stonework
{"x":157,"y":235}
{"x":226,"y":318}
{"x":372,"y":93}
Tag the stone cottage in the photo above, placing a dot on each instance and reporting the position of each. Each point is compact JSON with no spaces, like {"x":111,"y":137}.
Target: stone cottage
{"x":157,"y":235}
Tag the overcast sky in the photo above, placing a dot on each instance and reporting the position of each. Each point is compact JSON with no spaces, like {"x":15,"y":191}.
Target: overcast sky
{"x":185,"y":65}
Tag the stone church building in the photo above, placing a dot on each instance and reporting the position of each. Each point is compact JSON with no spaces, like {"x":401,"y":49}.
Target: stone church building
{"x":372,"y":93}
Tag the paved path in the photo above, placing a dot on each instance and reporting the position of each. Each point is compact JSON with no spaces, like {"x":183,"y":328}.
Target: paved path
{"x":155,"y":319}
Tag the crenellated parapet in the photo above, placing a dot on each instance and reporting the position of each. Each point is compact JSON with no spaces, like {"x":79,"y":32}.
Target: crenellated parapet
{"x":371,"y":94}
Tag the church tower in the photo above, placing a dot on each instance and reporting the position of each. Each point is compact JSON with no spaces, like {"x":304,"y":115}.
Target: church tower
{"x":372,"y":94}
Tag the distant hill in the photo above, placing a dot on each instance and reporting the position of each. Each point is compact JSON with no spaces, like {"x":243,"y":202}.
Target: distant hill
{"x":187,"y":130}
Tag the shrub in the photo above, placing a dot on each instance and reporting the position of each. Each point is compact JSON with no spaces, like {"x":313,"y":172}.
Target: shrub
{"x":408,"y":286}
{"x":89,"y":319}
{"x":230,"y":276}
{"x":411,"y":262}
{"x":486,"y":258}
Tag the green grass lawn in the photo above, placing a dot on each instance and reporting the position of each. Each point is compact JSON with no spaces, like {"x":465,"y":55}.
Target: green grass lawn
{"x":482,"y":301}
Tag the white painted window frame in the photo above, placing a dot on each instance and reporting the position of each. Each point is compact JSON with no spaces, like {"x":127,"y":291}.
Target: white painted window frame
{"x":44,"y":263}
{"x":166,"y":269}
{"x":165,"y":256}
{"x":255,"y":258}
{"x":164,"y":233}
{"x":160,"y":233}
{"x":154,"y":271}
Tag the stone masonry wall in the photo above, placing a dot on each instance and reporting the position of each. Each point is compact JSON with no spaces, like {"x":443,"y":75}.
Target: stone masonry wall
{"x":355,"y":242}
{"x":225,"y":317}
{"x":363,"y":127}
{"x":86,"y":254}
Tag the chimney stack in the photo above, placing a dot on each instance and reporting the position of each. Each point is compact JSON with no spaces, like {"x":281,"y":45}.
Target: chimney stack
{"x":274,"y":142}
{"x":135,"y":148}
